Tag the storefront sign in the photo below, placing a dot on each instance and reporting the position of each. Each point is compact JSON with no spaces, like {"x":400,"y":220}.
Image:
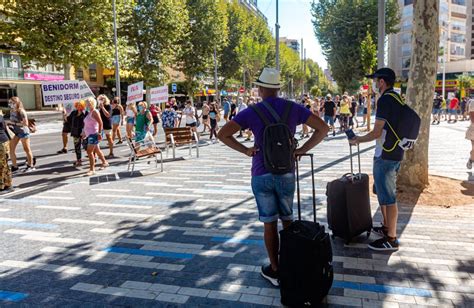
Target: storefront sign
{"x":159,"y":95}
{"x":46,"y":77}
{"x":59,"y":92}
{"x":135,"y":92}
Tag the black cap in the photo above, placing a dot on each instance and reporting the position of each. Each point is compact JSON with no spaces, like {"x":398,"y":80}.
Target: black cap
{"x":384,"y":73}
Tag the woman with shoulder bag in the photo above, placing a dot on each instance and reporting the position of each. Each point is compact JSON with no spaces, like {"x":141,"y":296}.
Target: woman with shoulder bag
{"x":19,"y":125}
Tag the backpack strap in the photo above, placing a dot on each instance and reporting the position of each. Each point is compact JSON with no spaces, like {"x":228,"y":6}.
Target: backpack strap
{"x":272,"y":111}
{"x":397,"y":97}
{"x":260,"y":114}
{"x":286,"y":114}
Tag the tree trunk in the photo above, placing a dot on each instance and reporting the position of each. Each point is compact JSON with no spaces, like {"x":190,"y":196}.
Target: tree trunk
{"x":67,"y":71}
{"x":425,"y":43}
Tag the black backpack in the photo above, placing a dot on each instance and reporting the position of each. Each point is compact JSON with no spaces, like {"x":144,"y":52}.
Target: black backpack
{"x":408,"y":126}
{"x":279,"y":143}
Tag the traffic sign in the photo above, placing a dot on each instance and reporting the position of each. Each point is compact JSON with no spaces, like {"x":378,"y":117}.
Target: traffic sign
{"x":174,"y":87}
{"x":241,"y":90}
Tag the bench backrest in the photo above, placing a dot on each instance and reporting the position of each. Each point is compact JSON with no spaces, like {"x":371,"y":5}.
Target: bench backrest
{"x":180,"y":134}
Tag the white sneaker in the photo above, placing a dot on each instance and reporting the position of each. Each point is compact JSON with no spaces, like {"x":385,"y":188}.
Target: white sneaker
{"x":28,"y":169}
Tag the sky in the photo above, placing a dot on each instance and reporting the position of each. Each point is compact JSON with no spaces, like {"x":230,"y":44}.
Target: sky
{"x":295,"y":23}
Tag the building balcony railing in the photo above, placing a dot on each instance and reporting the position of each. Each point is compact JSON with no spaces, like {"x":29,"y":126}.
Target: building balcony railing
{"x":11,"y":73}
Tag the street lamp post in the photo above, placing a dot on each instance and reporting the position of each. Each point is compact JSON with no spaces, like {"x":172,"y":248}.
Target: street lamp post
{"x":277,"y":39}
{"x":381,"y":35}
{"x":215,"y":73}
{"x":117,"y":68}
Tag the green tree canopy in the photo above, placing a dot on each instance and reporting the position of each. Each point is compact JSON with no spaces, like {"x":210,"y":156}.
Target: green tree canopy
{"x":59,"y":32}
{"x":340,"y":25}
{"x":153,"y":30}
{"x":207,"y":30}
{"x":252,"y":55}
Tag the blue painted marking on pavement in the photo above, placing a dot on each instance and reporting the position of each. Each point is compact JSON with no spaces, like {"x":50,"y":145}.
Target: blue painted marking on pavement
{"x":12,"y":296}
{"x":380,"y":288}
{"x":237,"y":240}
{"x":31,"y":225}
{"x":143,"y":202}
{"x":24,"y":200}
{"x":151,"y":253}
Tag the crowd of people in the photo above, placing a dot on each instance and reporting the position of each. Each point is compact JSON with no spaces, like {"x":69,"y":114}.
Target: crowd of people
{"x":451,"y":111}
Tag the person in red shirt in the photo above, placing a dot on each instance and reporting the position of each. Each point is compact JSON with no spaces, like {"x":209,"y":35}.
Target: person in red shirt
{"x":155,"y":112}
{"x":453,"y":109}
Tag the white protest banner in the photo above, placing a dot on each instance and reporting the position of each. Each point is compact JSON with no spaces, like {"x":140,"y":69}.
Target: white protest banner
{"x":159,"y":95}
{"x":135,"y":92}
{"x":68,"y":107}
{"x":85,"y":90}
{"x":59,"y":92}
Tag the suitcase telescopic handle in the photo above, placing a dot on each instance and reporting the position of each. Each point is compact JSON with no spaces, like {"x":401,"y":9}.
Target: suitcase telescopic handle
{"x":298,"y":185}
{"x":352,"y":162}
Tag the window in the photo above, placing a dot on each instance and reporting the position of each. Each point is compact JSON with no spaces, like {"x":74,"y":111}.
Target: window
{"x":408,"y":11}
{"x":458,"y":26}
{"x":406,"y":63}
{"x":406,"y":50}
{"x":458,"y":2}
{"x":9,"y":61}
{"x":457,"y":50}
{"x":406,"y":38}
{"x":93,"y":72}
{"x":79,"y":74}
{"x":458,"y":38}
{"x":408,"y":2}
{"x":407,"y":25}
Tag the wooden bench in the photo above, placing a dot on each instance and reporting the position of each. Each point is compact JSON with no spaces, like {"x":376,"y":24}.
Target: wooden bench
{"x":143,"y":149}
{"x":181,"y":136}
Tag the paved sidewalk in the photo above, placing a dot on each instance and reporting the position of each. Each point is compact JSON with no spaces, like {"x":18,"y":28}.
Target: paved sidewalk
{"x":189,"y":237}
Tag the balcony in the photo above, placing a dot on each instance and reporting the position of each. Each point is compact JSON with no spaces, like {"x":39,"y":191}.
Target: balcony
{"x":11,"y":73}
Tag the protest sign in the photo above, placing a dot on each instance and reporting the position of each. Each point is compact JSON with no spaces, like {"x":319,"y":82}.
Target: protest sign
{"x":59,"y":92}
{"x":135,"y":92}
{"x":85,"y":90}
{"x":159,"y":95}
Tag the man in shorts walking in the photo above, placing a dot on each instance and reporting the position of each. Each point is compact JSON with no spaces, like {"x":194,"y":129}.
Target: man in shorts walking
{"x":329,"y":110}
{"x":273,"y":193}
{"x":387,"y":158}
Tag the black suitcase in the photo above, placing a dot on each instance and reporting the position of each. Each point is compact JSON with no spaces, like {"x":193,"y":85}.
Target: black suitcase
{"x":348,"y":204}
{"x":305,"y":269}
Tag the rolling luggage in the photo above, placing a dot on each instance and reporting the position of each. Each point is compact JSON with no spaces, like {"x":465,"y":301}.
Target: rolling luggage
{"x":306,"y":272}
{"x":348,"y":204}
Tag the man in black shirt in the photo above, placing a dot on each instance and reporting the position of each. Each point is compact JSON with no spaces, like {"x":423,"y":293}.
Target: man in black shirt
{"x":329,"y":110}
{"x":436,"y":109}
{"x":105,"y":110}
{"x":388,"y":157}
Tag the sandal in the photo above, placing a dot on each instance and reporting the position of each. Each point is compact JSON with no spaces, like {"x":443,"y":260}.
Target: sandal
{"x":103,"y":166}
{"x":90,"y":173}
{"x":62,"y":151}
{"x":77,"y":163}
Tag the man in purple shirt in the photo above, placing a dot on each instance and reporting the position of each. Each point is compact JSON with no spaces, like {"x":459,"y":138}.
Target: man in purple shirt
{"x":273,"y":193}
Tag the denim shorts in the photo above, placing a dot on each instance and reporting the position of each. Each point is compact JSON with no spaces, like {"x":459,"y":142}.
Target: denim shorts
{"x":436,"y":111}
{"x":130,"y":120}
{"x":116,"y":119}
{"x":385,"y":180}
{"x":93,"y":139}
{"x":274,"y":196}
{"x":329,"y":120}
{"x":453,"y":111}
